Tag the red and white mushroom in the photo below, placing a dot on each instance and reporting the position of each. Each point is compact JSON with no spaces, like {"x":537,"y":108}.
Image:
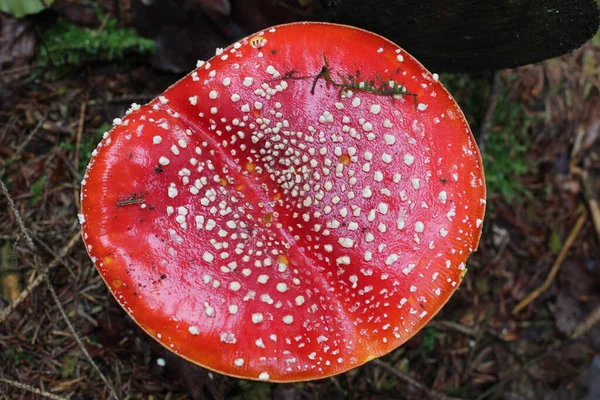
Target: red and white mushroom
{"x":303,"y":202}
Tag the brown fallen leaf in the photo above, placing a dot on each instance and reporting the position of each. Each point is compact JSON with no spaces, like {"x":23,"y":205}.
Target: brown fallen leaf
{"x":17,"y":42}
{"x":11,"y":289}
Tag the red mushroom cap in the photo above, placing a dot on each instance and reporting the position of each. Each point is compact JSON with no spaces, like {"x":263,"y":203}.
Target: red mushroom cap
{"x":303,"y":202}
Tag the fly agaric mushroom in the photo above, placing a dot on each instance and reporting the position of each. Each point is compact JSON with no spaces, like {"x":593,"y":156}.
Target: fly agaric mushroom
{"x":298,"y":205}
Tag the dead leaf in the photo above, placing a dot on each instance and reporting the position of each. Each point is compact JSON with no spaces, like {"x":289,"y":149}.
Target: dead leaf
{"x":17,"y":42}
{"x":11,"y":289}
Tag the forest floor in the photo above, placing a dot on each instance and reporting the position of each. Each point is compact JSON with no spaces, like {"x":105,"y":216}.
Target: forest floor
{"x":538,"y":127}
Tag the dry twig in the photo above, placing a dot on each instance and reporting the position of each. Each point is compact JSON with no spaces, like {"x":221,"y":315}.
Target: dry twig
{"x":591,"y":196}
{"x":588,"y":323}
{"x":22,"y":146}
{"x":78,"y":339}
{"x":17,"y":215}
{"x":430,"y":393}
{"x":516,"y":372}
{"x":31,"y":389}
{"x":78,"y":147}
{"x":79,"y":133}
{"x":5,"y":312}
{"x":555,"y":267}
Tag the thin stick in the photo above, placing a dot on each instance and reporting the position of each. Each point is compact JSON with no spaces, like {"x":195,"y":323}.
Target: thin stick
{"x":9,"y":125}
{"x":588,"y":323}
{"x":456,"y":327}
{"x":554,"y":271}
{"x":5,"y":312}
{"x":103,"y":24}
{"x":521,"y":370}
{"x":592,"y":198}
{"x":22,"y":146}
{"x":17,"y":215}
{"x":129,"y":202}
{"x":79,"y":133}
{"x":31,"y":389}
{"x":78,"y":339}
{"x":77,"y":148}
{"x":595,"y":209}
{"x":431,"y":394}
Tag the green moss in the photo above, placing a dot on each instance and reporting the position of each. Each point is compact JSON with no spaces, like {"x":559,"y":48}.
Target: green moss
{"x":253,"y":390}
{"x":69,"y":366}
{"x":430,"y":336}
{"x":37,"y":189}
{"x":17,"y":356}
{"x":506,"y":158}
{"x":68,"y":45}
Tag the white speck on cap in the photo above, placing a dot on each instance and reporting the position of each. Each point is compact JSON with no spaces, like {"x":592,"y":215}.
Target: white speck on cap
{"x":406,"y":270}
{"x":257,"y":318}
{"x":281,"y":287}
{"x":344,"y":260}
{"x":443,"y":196}
{"x":383,"y":208}
{"x":419,"y":226}
{"x":346,"y":242}
{"x":264,"y":376}
{"x":392,"y":258}
{"x":163,"y":160}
